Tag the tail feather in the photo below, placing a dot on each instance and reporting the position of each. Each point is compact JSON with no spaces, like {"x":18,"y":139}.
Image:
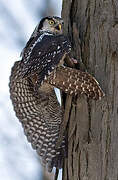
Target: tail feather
{"x":74,"y":81}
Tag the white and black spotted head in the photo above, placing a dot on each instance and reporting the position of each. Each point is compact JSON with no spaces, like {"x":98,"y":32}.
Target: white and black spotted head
{"x":52,"y":24}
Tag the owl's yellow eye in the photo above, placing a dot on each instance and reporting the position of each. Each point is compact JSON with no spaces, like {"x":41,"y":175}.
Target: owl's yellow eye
{"x":51,"y":22}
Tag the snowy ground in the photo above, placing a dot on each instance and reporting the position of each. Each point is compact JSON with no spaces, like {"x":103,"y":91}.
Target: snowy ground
{"x":17,"y":18}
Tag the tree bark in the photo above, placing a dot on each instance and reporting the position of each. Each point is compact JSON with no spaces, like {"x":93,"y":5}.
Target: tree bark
{"x":92,"y":26}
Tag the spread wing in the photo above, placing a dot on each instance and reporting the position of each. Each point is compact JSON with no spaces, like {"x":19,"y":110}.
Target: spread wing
{"x":44,"y":54}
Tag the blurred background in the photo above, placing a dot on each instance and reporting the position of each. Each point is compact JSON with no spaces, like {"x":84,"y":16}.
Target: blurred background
{"x":18,"y":19}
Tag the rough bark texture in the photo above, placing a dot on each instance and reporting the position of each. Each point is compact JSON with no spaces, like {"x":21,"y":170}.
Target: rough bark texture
{"x":92,"y":26}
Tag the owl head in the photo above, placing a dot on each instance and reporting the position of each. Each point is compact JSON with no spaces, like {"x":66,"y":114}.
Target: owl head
{"x":51,"y":24}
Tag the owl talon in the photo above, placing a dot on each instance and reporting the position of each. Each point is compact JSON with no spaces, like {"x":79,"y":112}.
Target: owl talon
{"x":75,"y":61}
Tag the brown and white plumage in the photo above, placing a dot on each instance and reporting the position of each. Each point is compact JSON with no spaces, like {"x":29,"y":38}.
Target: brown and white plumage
{"x":32,"y":83}
{"x":37,"y":114}
{"x":45,"y":49}
{"x":74,"y":81}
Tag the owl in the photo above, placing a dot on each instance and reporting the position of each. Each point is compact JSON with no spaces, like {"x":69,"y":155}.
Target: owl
{"x":32,"y":81}
{"x":46,"y":49}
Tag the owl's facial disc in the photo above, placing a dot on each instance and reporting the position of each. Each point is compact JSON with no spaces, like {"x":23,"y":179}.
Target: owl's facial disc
{"x":53,"y":24}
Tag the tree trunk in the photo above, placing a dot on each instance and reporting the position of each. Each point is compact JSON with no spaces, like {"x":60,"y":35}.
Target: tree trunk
{"x":92,"y":26}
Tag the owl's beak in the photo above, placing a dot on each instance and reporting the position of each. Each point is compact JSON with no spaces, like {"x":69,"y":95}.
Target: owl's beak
{"x":59,"y":27}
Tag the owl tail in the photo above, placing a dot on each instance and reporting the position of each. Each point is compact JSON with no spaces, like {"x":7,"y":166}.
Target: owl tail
{"x":40,"y":115}
{"x":73,"y":81}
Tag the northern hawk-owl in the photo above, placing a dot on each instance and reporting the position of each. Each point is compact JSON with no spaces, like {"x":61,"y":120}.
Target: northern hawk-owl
{"x":32,"y":83}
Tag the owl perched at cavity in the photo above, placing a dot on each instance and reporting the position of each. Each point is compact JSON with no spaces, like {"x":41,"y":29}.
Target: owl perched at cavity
{"x":32,"y":83}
